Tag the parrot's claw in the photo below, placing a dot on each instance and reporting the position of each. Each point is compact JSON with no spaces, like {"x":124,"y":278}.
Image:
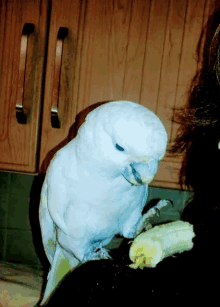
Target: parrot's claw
{"x":171,"y":202}
{"x":102,"y":253}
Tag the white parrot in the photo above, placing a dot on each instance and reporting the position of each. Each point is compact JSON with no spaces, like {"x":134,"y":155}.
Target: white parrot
{"x":97,"y":185}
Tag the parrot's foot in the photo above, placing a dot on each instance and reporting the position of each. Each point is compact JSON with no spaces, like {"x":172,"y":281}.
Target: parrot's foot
{"x":145,"y":223}
{"x":99,"y":253}
{"x":102,"y":253}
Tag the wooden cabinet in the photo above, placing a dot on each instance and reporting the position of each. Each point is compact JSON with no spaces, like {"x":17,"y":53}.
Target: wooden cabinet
{"x":97,"y":51}
{"x":61,"y":88}
{"x":23,"y":32}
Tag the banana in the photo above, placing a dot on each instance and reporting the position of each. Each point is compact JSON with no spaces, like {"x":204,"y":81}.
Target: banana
{"x":152,"y":246}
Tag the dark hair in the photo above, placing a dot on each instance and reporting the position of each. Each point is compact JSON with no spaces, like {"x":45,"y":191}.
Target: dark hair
{"x":199,"y":131}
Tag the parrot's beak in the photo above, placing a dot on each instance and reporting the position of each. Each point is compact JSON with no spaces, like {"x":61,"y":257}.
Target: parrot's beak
{"x":136,"y":175}
{"x":139,"y":173}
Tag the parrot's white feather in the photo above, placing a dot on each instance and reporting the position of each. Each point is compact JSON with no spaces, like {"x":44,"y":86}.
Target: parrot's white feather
{"x":97,"y":185}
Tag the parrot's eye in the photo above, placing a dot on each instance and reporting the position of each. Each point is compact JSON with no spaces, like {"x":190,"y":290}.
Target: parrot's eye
{"x":118,"y":147}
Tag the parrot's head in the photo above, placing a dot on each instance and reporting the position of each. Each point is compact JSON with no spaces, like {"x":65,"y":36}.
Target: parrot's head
{"x":125,"y":138}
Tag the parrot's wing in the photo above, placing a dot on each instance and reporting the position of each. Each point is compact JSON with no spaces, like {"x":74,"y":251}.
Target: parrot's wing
{"x":60,"y":264}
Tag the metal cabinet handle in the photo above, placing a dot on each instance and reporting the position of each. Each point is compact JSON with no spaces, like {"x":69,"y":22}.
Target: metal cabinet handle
{"x":21,"y":115}
{"x":55,"y":118}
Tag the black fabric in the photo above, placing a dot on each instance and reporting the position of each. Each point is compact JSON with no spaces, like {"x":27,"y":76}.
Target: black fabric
{"x":192,"y":275}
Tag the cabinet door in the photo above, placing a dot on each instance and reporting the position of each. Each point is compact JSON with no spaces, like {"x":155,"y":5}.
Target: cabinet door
{"x":22,"y":52}
{"x":60,"y":96}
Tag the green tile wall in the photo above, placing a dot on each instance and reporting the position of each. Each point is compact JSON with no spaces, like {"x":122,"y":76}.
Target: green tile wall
{"x":20,"y":239}
{"x":16,"y":232}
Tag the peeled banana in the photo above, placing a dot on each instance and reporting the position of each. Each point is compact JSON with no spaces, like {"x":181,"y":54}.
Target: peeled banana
{"x":152,"y":246}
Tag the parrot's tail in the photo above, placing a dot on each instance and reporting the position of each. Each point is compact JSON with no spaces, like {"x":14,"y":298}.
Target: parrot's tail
{"x":59,"y":268}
